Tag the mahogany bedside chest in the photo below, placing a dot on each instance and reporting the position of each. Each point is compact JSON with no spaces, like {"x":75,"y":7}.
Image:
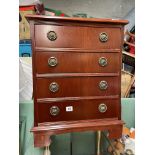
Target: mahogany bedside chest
{"x":76,"y":75}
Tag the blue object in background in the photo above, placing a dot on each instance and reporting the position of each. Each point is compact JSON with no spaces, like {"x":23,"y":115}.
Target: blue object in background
{"x":25,"y":48}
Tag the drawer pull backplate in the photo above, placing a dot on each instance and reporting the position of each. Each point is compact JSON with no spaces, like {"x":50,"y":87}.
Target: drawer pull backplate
{"x":102,"y":108}
{"x":103,"y":85}
{"x":52,"y":61}
{"x":54,"y":110}
{"x":102,"y":61}
{"x":103,"y":37}
{"x":53,"y":87}
{"x":51,"y":35}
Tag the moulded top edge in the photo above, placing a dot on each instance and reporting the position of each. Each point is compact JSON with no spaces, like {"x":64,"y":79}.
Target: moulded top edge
{"x":76,"y":19}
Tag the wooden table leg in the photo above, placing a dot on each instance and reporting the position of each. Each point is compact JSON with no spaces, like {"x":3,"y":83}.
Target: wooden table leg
{"x":47,"y":150}
{"x":98,"y":150}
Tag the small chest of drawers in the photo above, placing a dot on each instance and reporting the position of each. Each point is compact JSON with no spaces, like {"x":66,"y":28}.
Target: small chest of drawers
{"x":76,"y":74}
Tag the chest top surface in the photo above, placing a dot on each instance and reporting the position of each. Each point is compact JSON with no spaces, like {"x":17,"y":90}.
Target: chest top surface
{"x":77,"y":19}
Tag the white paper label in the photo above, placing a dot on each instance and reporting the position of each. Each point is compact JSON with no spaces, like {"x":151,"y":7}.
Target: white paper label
{"x":69,"y":108}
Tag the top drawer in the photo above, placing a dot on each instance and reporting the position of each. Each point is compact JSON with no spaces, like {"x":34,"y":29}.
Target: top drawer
{"x":51,"y":36}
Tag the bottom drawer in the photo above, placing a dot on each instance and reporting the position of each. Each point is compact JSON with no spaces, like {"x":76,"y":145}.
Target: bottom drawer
{"x":78,"y":110}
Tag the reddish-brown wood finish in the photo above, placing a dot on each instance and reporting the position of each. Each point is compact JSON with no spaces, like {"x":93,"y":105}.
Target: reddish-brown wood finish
{"x":81,"y":62}
{"x":77,"y":37}
{"x":76,"y":86}
{"x":82,"y":110}
{"x":75,"y":19}
{"x":43,"y":132}
{"x":78,"y":73}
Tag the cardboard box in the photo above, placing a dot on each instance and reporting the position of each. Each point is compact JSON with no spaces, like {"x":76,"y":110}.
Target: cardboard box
{"x":24,"y":28}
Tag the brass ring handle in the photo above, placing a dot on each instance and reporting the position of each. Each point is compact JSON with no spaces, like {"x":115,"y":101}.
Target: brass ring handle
{"x":103,"y":37}
{"x":103,"y":85}
{"x":54,"y":110}
{"x":52,"y":61}
{"x":102,"y":108}
{"x":103,"y":61}
{"x":51,"y":35}
{"x":53,"y":87}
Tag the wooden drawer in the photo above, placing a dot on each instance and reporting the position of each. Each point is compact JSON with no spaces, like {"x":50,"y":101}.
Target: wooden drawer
{"x":77,"y":37}
{"x":76,"y":86}
{"x":70,"y":62}
{"x":78,"y":110}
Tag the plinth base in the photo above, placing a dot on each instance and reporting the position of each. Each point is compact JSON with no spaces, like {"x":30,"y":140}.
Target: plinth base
{"x":43,"y":132}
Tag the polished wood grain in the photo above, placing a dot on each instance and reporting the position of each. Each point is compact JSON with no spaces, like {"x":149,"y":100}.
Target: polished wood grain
{"x":53,"y":75}
{"x":77,"y":37}
{"x":70,"y":62}
{"x":65,"y":99}
{"x":44,"y":131}
{"x":33,"y":72}
{"x":82,"y":110}
{"x":76,"y":86}
{"x":76,"y":19}
{"x":77,"y":49}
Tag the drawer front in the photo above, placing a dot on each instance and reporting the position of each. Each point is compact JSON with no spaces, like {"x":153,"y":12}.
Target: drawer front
{"x":78,"y":110}
{"x":77,"y":86}
{"x":70,"y":62}
{"x":51,"y":36}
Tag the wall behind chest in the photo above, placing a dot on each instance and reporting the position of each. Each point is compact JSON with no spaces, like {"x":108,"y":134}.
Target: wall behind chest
{"x":94,"y":8}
